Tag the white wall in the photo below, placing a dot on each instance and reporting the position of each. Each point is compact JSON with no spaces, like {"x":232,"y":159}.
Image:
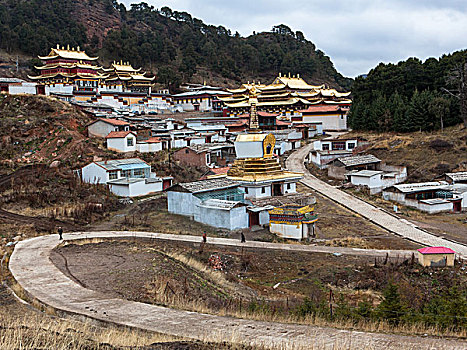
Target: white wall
{"x":256,"y":192}
{"x":23,"y":88}
{"x":93,"y":173}
{"x":249,"y":149}
{"x":182,"y":203}
{"x":292,"y":189}
{"x":145,"y":147}
{"x":135,"y":189}
{"x":236,"y":218}
{"x":330,"y":122}
{"x":61,"y":88}
{"x":178,"y":143}
{"x":287,"y":231}
{"x":120,"y":144}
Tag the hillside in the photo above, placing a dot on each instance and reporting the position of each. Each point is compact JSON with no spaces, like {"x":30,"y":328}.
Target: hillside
{"x":426,"y":155}
{"x":174,"y":45}
{"x":39,"y":129}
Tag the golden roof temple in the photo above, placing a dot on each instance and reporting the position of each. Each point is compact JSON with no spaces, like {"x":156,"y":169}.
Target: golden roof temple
{"x":70,"y":66}
{"x":285,"y":94}
{"x":67,"y":65}
{"x":123,"y":73}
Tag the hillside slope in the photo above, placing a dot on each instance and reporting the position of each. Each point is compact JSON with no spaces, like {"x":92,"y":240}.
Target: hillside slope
{"x":176,"y":46}
{"x":426,"y":155}
{"x":39,"y":129}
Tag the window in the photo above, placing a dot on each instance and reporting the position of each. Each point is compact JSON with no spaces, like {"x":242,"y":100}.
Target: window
{"x":289,"y":186}
{"x":126,"y":173}
{"x":351,"y":145}
{"x":263,"y":189}
{"x":187,"y":151}
{"x":246,"y":190}
{"x":113,"y":175}
{"x":326,"y":147}
{"x":129,"y":141}
{"x":138,"y":173}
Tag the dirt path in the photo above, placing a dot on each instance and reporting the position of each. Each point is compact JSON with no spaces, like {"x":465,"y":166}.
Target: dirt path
{"x":32,"y":268}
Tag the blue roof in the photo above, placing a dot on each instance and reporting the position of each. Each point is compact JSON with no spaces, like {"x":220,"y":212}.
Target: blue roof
{"x":133,"y":166}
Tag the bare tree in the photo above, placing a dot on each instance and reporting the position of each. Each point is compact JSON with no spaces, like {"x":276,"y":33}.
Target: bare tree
{"x":458,"y":78}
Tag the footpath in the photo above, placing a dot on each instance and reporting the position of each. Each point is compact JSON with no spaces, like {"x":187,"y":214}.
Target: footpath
{"x":32,"y":268}
{"x":393,"y":224}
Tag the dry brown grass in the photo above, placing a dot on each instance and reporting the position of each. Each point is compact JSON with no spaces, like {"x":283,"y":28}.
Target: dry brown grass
{"x":36,"y":331}
{"x":351,"y":242}
{"x":158,"y":292}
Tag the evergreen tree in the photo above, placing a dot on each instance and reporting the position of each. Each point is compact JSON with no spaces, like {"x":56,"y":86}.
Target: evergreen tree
{"x":391,"y":308}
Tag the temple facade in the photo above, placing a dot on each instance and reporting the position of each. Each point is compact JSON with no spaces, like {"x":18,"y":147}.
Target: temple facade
{"x":122,"y":77}
{"x":287,"y":95}
{"x":66,"y":70}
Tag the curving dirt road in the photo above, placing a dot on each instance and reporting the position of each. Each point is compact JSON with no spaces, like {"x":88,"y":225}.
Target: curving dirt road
{"x":295,"y":162}
{"x":32,"y":268}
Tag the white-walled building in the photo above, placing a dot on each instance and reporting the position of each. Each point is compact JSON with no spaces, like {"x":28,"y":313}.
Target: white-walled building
{"x":125,"y":177}
{"x":103,"y":126}
{"x":293,"y":221}
{"x":216,"y":202}
{"x":431,"y":197}
{"x":121,"y":141}
{"x":333,"y":117}
{"x":15,"y":86}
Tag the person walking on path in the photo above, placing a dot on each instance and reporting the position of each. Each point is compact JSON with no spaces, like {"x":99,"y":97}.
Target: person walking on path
{"x":204,"y":237}
{"x":60,"y":232}
{"x":243,"y":240}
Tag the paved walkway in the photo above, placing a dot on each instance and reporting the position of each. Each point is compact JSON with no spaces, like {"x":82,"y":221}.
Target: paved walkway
{"x":33,"y":270}
{"x":295,"y":162}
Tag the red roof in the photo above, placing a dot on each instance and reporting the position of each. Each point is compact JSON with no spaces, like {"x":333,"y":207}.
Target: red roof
{"x":304,"y":125}
{"x":240,"y":122}
{"x":436,"y":250}
{"x":321,"y":109}
{"x":113,"y":121}
{"x":219,"y":171}
{"x":119,"y":134}
{"x":153,"y":140}
{"x":260,"y":113}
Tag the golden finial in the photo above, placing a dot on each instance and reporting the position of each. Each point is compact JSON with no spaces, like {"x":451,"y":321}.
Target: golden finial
{"x":58,"y":46}
{"x":77,"y":48}
{"x":298,"y":76}
{"x":63,"y":47}
{"x":280,"y":74}
{"x":68,"y":47}
{"x":289,"y":74}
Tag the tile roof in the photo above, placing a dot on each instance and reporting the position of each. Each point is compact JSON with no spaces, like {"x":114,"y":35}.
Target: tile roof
{"x":421,"y":186}
{"x":116,"y":164}
{"x":152,"y":140}
{"x":119,"y":134}
{"x":459,"y":176}
{"x":436,"y":250}
{"x":207,"y":185}
{"x":358,"y":160}
{"x":220,"y":204}
{"x":112,"y":121}
{"x":202,"y":147}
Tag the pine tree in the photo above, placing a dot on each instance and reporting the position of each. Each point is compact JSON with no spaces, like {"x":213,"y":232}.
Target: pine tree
{"x":391,"y":308}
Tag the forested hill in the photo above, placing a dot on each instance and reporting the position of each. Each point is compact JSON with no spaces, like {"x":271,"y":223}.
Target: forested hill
{"x":173,"y":44}
{"x":412,"y":95}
